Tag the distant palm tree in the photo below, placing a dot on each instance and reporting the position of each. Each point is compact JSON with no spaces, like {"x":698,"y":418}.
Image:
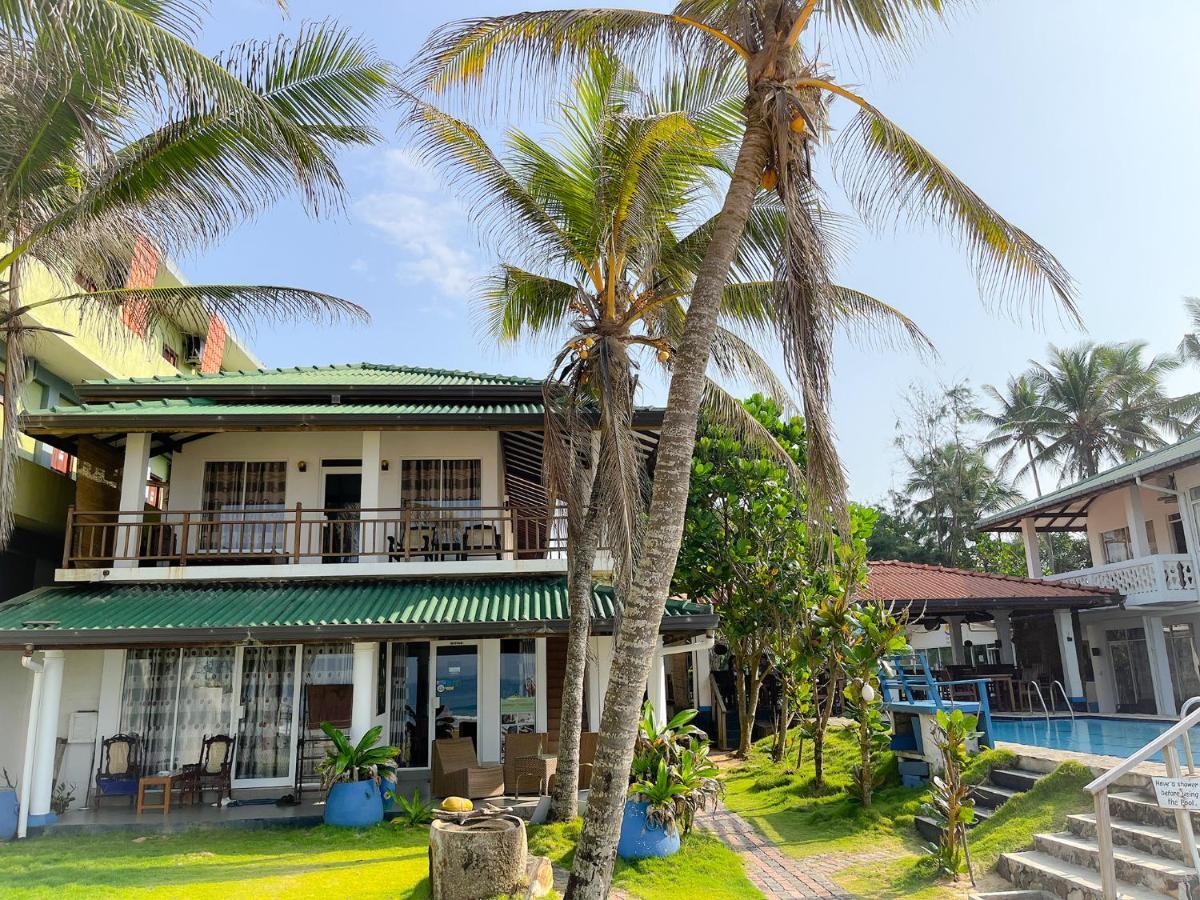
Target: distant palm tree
{"x":1105,"y":403}
{"x":786,"y":109}
{"x":602,"y":227}
{"x":1017,"y":425}
{"x":116,"y":129}
{"x":1189,"y":347}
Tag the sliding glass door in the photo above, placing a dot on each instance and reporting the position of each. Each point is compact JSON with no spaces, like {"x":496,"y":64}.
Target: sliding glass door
{"x":266,"y":734}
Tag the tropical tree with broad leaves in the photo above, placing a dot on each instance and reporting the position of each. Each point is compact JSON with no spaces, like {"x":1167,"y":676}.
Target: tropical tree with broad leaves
{"x":601,"y":227}
{"x":787,"y":100}
{"x":118,"y":130}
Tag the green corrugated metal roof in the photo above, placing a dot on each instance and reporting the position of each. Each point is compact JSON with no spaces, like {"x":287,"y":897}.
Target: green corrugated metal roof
{"x":347,"y":374}
{"x":1180,"y":453}
{"x":93,"y":613}
{"x":189,"y":406}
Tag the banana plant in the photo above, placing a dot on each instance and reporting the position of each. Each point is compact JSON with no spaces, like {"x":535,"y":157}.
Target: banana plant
{"x":349,"y":762}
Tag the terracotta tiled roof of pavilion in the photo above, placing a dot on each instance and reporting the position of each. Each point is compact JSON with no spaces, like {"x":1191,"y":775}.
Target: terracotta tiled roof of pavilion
{"x":905,"y":582}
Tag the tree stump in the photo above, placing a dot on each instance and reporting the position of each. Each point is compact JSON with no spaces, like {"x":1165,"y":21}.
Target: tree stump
{"x":477,"y":859}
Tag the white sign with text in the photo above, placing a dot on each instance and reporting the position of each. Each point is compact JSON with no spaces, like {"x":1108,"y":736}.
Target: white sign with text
{"x":1178,"y":793}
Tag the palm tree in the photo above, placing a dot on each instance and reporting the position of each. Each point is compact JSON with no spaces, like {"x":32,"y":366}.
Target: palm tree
{"x":1017,"y":425}
{"x":594,"y":216}
{"x":1105,"y":403}
{"x":786,"y":121}
{"x":117,"y":130}
{"x":1189,"y":346}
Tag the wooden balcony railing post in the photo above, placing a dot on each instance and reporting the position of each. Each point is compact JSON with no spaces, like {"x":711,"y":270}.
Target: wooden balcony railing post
{"x":296,"y":539}
{"x":184,"y":537}
{"x":69,"y":542}
{"x":404,"y":532}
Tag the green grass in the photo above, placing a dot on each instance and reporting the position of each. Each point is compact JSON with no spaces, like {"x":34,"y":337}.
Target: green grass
{"x":704,"y":867}
{"x":384,"y":861}
{"x":981,"y":765}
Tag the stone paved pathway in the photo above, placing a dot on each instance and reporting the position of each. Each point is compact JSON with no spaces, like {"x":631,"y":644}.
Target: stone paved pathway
{"x":775,"y":873}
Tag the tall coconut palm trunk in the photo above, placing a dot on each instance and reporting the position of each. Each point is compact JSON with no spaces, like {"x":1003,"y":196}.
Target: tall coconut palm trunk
{"x":583,"y":542}
{"x":643,"y":607}
{"x":13,"y":378}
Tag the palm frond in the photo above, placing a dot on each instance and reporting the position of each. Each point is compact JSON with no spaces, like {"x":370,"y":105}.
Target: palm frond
{"x":725,"y":410}
{"x":516,"y":304}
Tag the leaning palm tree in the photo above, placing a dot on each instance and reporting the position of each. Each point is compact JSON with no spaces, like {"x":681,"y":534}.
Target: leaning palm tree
{"x":1104,"y":403}
{"x":787,"y":100}
{"x":1189,"y":346}
{"x":118,"y":131}
{"x":1017,"y":426}
{"x":594,"y":223}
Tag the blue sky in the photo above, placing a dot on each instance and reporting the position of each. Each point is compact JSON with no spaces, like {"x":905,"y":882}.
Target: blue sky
{"x":1078,"y":120}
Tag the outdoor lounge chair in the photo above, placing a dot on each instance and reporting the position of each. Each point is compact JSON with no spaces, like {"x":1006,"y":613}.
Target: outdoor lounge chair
{"x":214,"y":771}
{"x":457,"y":772}
{"x":587,"y":759}
{"x":520,"y":746}
{"x":120,"y":767}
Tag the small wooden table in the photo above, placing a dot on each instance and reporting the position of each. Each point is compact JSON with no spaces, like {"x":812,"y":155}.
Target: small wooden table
{"x":165,"y":783}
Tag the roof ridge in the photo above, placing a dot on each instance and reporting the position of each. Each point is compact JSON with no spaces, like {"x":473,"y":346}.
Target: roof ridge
{"x":326,"y":367}
{"x":999,"y":576}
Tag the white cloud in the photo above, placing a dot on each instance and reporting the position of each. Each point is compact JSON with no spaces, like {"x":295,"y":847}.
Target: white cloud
{"x":430,"y":231}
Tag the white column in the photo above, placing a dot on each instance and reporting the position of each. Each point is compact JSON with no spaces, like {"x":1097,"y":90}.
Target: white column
{"x":1072,"y":680}
{"x":108,"y":711}
{"x":702,"y":666}
{"x":1106,"y":700}
{"x":42,"y":783}
{"x":1160,"y":666}
{"x":133,"y":497}
{"x":1033,"y":550}
{"x":956,"y":640}
{"x":488,"y":741}
{"x":541,"y":717}
{"x":373,"y":541}
{"x":656,"y":686}
{"x":1002,"y":620}
{"x":1135,"y":518}
{"x":362,"y":710}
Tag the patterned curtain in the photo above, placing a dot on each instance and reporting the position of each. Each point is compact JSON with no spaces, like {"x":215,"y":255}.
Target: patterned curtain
{"x":224,"y":486}
{"x":148,"y":703}
{"x":421,"y":483}
{"x":461,"y":482}
{"x":266,"y":490}
{"x":265,"y":734}
{"x":240,"y":496}
{"x":205,"y":699}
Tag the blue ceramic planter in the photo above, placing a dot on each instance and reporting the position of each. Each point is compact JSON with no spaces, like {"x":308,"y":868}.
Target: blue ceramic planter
{"x":640,"y":839}
{"x":387,"y":792}
{"x":8,"y":815}
{"x":354,"y":804}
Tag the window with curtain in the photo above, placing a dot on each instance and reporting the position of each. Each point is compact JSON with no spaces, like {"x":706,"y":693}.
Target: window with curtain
{"x":242,"y":501}
{"x":437,"y":483}
{"x":148,"y":703}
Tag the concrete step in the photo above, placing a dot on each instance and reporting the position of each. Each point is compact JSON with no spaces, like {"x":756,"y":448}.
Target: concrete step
{"x":1166,"y":876}
{"x":1034,"y":870}
{"x":1136,"y":806}
{"x":1014,"y":779}
{"x":1157,"y":840}
{"x":991,"y":795}
{"x":1011,"y":895}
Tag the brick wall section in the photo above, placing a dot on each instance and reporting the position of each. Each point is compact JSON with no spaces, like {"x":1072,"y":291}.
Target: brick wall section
{"x":214,"y":346}
{"x":556,"y":670}
{"x":143,"y":271}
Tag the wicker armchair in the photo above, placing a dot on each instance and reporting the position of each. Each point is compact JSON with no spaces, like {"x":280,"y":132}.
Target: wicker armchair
{"x":587,"y":757}
{"x":457,"y":772}
{"x":520,"y":748}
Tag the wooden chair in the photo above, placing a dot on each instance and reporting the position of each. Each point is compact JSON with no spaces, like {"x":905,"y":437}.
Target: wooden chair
{"x":215,"y":769}
{"x":457,"y":772}
{"x":481,"y":540}
{"x":520,"y":746}
{"x":120,"y":767}
{"x":587,"y":757}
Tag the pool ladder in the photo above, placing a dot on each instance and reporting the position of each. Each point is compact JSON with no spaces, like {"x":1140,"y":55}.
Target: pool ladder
{"x":1042,"y":700}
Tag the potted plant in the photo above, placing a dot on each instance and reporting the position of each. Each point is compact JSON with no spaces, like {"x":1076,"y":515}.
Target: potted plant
{"x":8,"y":808}
{"x":672,"y":778}
{"x":353,"y":775}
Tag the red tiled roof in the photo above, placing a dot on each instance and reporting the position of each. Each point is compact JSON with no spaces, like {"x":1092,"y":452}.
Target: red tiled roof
{"x":891,"y":580}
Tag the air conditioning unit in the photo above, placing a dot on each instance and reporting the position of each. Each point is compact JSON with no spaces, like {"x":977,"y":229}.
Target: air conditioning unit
{"x":193,"y":348}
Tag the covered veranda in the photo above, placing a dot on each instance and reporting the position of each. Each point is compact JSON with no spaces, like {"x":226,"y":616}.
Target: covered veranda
{"x":1031,"y":633}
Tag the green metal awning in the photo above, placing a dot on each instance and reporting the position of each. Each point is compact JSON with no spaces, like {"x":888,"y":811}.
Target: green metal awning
{"x":115,"y":615}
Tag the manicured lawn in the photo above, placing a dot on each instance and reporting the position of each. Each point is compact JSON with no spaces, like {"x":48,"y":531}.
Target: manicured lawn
{"x":804,"y":822}
{"x":385,"y":861}
{"x":704,"y":867}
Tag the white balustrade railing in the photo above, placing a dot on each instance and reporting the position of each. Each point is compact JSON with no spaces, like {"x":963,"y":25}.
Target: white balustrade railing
{"x":1162,"y":573}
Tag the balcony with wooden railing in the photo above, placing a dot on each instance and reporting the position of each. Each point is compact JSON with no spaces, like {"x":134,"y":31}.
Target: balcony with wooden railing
{"x":304,"y":535}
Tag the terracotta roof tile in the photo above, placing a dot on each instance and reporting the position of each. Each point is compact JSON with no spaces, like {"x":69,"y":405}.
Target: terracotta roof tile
{"x":891,"y":580}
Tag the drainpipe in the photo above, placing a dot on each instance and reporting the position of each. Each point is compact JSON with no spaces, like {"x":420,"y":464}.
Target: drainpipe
{"x":1185,"y":517}
{"x":35,"y":701}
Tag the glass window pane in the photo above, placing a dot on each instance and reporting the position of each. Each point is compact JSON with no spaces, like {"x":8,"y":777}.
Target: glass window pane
{"x":518,"y":686}
{"x":457,"y":689}
{"x":148,"y":703}
{"x":205,"y":699}
{"x":410,"y":702}
{"x":264,"y":748}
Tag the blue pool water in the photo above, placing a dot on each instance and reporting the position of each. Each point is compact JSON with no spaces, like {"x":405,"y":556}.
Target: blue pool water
{"x":1105,"y":737}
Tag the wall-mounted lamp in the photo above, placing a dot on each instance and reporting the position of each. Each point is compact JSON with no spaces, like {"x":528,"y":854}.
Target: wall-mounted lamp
{"x":384,"y":465}
{"x":302,"y":466}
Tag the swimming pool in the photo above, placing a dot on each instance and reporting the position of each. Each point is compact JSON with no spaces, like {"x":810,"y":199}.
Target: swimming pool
{"x":1092,"y":734}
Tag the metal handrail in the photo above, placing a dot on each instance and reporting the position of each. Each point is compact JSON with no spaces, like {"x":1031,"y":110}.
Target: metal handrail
{"x":1066,"y":699}
{"x":1098,"y":788}
{"x":1041,"y":699}
{"x":1187,"y":740}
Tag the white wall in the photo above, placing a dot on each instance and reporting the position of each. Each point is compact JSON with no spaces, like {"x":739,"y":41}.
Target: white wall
{"x":187,"y":468}
{"x":1107,"y":513}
